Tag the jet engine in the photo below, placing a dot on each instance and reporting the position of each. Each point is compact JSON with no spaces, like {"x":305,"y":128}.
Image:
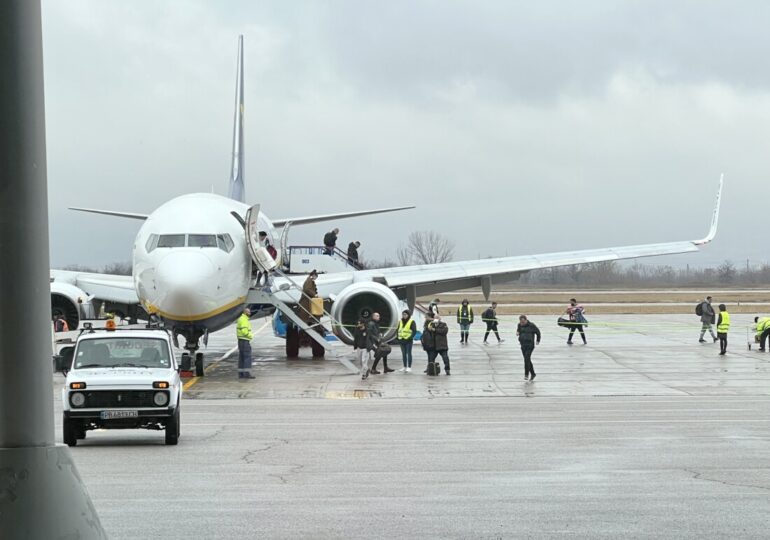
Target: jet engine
{"x":69,"y":301}
{"x":360,"y":301}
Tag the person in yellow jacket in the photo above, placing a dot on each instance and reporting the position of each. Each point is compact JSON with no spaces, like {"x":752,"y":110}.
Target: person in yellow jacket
{"x":244,"y":334}
{"x":723,"y":326}
{"x":763,"y":331}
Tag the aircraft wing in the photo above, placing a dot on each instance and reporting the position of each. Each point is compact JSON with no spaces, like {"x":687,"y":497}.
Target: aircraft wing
{"x":129,"y":215}
{"x":431,"y":279}
{"x":101,"y":286}
{"x":331,"y":217}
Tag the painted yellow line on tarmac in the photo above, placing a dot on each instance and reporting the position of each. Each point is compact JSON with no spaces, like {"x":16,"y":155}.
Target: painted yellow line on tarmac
{"x":189,"y":384}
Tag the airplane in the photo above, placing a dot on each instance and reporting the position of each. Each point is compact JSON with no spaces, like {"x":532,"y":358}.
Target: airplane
{"x":193,"y":264}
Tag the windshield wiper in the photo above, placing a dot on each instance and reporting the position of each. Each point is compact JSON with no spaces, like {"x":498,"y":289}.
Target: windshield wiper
{"x":90,"y":366}
{"x":128,"y":364}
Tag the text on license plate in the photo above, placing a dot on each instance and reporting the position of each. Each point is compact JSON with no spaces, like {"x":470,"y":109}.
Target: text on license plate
{"x":109,"y":415}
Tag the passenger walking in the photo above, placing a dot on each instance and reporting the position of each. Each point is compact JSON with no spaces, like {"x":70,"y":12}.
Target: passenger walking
{"x":428,"y":339}
{"x":382,"y":354}
{"x":440,"y":332}
{"x":330,"y":241}
{"x":361,"y":344}
{"x":373,"y":340}
{"x":433,"y":307}
{"x":577,"y":320}
{"x":353,"y":254}
{"x":264,"y":242}
{"x":707,"y":318}
{"x":763,"y":331}
{"x":309,"y":290}
{"x":527,"y":332}
{"x":407,"y":329}
{"x":723,"y":326}
{"x":244,"y":335}
{"x":465,"y":320}
{"x":490,"y":317}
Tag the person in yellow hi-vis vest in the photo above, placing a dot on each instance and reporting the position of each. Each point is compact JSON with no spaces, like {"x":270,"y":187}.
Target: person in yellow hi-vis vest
{"x":243,"y":332}
{"x":723,"y":326}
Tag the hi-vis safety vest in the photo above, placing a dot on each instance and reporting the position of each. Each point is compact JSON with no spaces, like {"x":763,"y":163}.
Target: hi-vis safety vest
{"x":404,"y":329}
{"x":763,"y":324}
{"x":724,"y":326}
{"x":467,"y":318}
{"x":243,"y":328}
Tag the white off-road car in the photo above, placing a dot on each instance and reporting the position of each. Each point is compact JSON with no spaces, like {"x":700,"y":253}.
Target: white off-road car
{"x":121,"y":379}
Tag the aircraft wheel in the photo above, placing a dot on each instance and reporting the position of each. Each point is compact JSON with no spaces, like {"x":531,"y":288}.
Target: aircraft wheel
{"x":199,"y":364}
{"x":292,"y":342}
{"x":185,"y":363}
{"x":318,"y":350}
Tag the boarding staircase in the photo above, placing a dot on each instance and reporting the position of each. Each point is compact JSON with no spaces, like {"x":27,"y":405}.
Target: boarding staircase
{"x":311,"y":324}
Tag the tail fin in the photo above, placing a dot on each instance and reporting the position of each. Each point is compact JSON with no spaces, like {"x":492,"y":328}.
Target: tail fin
{"x":237,"y":189}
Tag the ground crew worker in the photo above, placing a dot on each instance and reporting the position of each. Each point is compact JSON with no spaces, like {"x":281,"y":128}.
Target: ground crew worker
{"x":244,"y":335}
{"x":527,"y":332}
{"x":763,"y":331}
{"x":723,"y":326}
{"x":490,"y":317}
{"x":407,"y":329}
{"x":465,"y":320}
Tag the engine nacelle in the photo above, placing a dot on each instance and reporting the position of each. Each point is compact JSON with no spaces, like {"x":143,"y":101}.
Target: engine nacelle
{"x":69,"y":301}
{"x":359,"y":301}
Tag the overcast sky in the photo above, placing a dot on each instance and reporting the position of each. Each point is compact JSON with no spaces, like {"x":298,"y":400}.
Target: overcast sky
{"x":515,"y":127}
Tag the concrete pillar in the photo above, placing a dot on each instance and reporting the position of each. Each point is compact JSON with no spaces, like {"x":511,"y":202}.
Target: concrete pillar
{"x":41,"y":494}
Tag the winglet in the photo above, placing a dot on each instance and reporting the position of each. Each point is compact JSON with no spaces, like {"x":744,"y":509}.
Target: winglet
{"x":237,"y":189}
{"x":715,"y":217}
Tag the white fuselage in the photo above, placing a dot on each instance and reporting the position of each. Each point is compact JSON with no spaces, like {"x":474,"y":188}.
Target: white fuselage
{"x":191,"y":266}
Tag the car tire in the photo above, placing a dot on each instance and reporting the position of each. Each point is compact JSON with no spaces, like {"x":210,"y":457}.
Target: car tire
{"x":69,"y":432}
{"x":80,"y":433}
{"x":172,"y":428}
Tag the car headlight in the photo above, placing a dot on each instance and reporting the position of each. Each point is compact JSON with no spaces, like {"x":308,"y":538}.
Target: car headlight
{"x":77,"y":399}
{"x":160,"y":399}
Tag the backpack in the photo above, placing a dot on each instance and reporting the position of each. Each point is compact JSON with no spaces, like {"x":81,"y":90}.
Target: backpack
{"x":434,"y":368}
{"x":699,"y":309}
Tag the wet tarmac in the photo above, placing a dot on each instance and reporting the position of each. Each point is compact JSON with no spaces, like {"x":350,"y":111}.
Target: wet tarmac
{"x":642,"y":433}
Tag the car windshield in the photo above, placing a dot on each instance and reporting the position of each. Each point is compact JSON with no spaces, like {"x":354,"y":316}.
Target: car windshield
{"x":122,"y":351}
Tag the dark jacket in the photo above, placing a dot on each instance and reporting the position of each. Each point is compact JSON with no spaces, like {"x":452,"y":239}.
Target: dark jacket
{"x":465,"y":314}
{"x":353,"y":252}
{"x":708,"y":316}
{"x":527,"y":333}
{"x":489,"y":316}
{"x":330,"y":239}
{"x":440,"y":330}
{"x":360,"y":337}
{"x":309,"y":290}
{"x":428,"y":338}
{"x":373,"y":337}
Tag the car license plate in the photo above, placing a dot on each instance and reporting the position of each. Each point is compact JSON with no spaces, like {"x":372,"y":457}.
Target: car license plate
{"x":111,"y":415}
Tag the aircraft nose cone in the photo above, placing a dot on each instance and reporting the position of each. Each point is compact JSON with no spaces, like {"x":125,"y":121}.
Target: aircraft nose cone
{"x":186,"y":282}
{"x":186,"y":269}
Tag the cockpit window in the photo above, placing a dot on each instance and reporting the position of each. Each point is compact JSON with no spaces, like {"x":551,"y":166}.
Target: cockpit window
{"x":225,"y":243}
{"x":152,"y":243}
{"x":171,"y":240}
{"x":201,"y":240}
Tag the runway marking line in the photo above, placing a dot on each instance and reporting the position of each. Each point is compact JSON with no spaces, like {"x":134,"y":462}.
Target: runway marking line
{"x":189,"y":384}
